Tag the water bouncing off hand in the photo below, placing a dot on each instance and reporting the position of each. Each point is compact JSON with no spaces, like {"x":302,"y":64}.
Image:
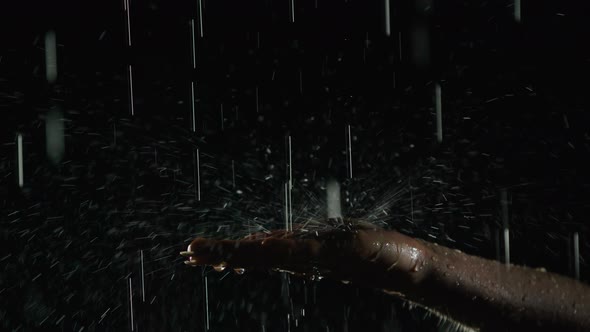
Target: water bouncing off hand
{"x":480,"y":293}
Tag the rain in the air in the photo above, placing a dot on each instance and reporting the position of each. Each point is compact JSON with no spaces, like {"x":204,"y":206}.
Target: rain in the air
{"x":294,"y":165}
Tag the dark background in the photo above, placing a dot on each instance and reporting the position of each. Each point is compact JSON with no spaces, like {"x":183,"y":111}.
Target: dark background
{"x":515,"y":120}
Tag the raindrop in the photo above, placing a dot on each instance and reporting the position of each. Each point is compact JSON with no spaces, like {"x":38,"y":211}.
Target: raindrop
{"x":50,"y":56}
{"x":54,"y":135}
{"x":19,"y":144}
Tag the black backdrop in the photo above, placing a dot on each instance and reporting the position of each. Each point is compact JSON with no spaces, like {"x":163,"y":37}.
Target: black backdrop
{"x":127,"y":194}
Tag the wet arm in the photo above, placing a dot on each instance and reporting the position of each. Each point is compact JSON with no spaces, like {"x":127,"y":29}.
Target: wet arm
{"x":477,"y":292}
{"x":493,"y":296}
{"x":481,"y":293}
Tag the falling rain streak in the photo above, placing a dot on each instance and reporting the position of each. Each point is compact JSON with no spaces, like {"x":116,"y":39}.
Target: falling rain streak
{"x":54,"y":135}
{"x":129,"y":67}
{"x":292,"y":11}
{"x":193,"y":101}
{"x":333,"y":202}
{"x":127,"y":21}
{"x":19,"y":148}
{"x":387,"y":19}
{"x":576,"y":241}
{"x":287,"y":208}
{"x":438,"y":107}
{"x":349,"y":151}
{"x":131,"y":305}
{"x":200,"y":17}
{"x":131,"y":98}
{"x":206,"y":291}
{"x":288,"y":187}
{"x":193,"y":48}
{"x":142,"y":277}
{"x":197,"y":174}
{"x":505,"y":226}
{"x":517,"y":11}
{"x":50,"y":57}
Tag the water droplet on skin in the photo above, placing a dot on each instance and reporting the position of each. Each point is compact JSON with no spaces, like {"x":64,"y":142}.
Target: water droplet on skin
{"x":240,"y":270}
{"x":346,"y":282}
{"x":450,"y":266}
{"x":219,"y":268}
{"x":434,"y":258}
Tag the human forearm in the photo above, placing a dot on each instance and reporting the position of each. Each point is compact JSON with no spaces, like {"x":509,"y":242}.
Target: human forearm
{"x":493,"y":296}
{"x":475,"y":291}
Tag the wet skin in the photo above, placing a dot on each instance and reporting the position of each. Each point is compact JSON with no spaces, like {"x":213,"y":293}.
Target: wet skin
{"x":480,"y":293}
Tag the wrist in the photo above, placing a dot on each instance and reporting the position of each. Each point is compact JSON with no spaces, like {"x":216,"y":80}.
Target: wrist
{"x":405,"y":263}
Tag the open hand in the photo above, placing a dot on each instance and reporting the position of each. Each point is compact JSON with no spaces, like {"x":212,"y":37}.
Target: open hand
{"x":366,"y":255}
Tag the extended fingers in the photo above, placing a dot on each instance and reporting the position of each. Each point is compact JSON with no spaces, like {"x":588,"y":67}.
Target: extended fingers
{"x":365,"y":255}
{"x":262,"y":253}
